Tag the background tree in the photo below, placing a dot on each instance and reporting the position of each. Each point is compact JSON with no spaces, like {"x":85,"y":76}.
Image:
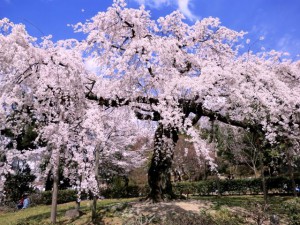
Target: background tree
{"x":18,"y":183}
{"x":187,"y":165}
{"x":41,"y":84}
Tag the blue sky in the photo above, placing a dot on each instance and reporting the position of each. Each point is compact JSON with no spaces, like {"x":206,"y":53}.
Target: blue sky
{"x":277,"y":20}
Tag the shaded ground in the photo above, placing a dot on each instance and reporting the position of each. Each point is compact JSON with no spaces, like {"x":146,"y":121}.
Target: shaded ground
{"x":227,"y":210}
{"x":177,"y":212}
{"x":188,"y":212}
{"x":202,"y":211}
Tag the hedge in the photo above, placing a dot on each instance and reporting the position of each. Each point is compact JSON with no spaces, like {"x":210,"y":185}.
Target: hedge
{"x":64,"y":196}
{"x":277,"y":185}
{"x":235,"y":187}
{"x":129,"y":191}
{"x":45,"y":197}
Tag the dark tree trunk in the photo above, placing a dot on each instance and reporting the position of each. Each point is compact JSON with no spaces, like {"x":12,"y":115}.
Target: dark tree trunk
{"x":55,"y":190}
{"x":205,"y":170}
{"x":291,"y":171}
{"x":94,"y":208}
{"x":218,"y":185}
{"x":77,"y":207}
{"x":159,"y":174}
{"x":263,"y":179}
{"x":95,"y":197}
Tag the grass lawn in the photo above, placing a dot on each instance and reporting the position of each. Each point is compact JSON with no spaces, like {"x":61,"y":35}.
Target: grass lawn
{"x":286,"y":207}
{"x":224,"y":210}
{"x":276,"y":202}
{"x":39,"y":215}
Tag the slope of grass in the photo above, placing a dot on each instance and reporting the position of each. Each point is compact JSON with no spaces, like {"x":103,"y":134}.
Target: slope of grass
{"x":39,"y":215}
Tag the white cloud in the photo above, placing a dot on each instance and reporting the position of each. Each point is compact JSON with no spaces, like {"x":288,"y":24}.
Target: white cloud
{"x":288,"y":43}
{"x":183,"y":6}
{"x":154,"y":3}
{"x":262,"y":30}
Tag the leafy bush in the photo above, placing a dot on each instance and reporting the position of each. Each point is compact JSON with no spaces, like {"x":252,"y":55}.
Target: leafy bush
{"x":185,"y":188}
{"x":128,"y":191}
{"x":206,"y":187}
{"x":234,"y":187}
{"x":45,"y":198}
{"x":64,"y":196}
{"x":281,"y":184}
{"x":18,"y":184}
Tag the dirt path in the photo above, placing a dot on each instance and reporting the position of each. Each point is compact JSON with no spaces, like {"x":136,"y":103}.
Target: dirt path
{"x":194,"y":206}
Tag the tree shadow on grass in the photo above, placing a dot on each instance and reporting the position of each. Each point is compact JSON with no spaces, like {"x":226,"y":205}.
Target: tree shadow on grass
{"x":44,"y":218}
{"x":36,"y":219}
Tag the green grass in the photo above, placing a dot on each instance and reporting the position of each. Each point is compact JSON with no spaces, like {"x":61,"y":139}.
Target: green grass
{"x":39,"y":215}
{"x":243,"y":200}
{"x":221,"y":210}
{"x":276,"y":203}
{"x":242,"y":209}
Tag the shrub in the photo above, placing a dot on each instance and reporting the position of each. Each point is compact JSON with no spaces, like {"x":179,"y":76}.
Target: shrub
{"x":125,"y":191}
{"x":234,"y":187}
{"x":45,"y":197}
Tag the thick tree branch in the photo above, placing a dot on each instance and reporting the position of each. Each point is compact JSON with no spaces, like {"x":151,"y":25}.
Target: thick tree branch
{"x":188,"y":106}
{"x":117,"y":102}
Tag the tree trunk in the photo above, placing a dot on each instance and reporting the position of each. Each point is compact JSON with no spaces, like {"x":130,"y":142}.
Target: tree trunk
{"x":94,"y":208}
{"x":263,"y":179}
{"x":55,"y":190}
{"x":205,"y":170}
{"x":291,"y":172}
{"x":159,"y":174}
{"x":256,"y":172}
{"x":218,"y":186}
{"x":77,"y":204}
{"x":95,"y":198}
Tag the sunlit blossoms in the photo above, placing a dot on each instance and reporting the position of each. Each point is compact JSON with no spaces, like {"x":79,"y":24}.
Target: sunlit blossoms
{"x":166,"y":71}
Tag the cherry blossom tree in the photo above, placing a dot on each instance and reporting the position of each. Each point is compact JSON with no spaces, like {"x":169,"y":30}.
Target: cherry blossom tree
{"x":174,"y":73}
{"x":165,"y":71}
{"x":44,"y":84}
{"x":106,"y":139}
